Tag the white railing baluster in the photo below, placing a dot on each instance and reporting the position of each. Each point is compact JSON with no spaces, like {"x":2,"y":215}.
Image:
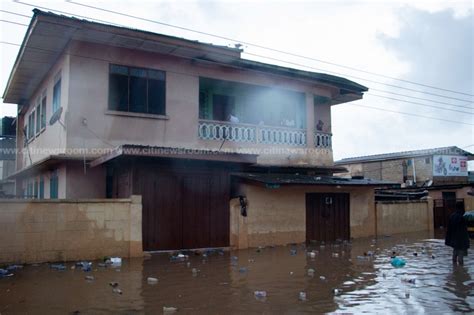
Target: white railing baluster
{"x":322,"y":140}
{"x":219,"y":130}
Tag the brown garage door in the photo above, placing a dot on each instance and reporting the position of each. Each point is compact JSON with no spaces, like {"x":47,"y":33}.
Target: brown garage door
{"x":184,"y":209}
{"x":327,"y":217}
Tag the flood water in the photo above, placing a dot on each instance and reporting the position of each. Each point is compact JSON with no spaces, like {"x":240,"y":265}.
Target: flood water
{"x":225,"y":284}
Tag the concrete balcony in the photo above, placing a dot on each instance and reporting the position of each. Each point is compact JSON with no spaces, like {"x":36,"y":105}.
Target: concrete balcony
{"x":323,"y":140}
{"x":260,"y":134}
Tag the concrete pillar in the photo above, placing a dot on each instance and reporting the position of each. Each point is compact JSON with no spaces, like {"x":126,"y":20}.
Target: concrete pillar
{"x":430,"y":216}
{"x":238,"y":226}
{"x":309,"y":120}
{"x":136,"y":244}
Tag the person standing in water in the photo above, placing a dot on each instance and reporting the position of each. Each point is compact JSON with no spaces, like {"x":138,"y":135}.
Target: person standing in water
{"x":457,"y":236}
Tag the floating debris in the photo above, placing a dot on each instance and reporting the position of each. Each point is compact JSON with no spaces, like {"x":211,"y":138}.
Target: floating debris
{"x":4,"y":273}
{"x":89,"y":278}
{"x":169,"y":309}
{"x":260,"y":294}
{"x":311,"y":272}
{"x":302,"y":296}
{"x":398,"y":262}
{"x":335,"y":255}
{"x":243,"y":269}
{"x":113,"y":284}
{"x":322,"y":278}
{"x":58,"y":267}
{"x":152,"y":280}
{"x":117,"y":290}
{"x":14,"y":267}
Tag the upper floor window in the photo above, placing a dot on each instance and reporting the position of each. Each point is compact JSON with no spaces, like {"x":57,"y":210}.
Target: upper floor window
{"x":136,"y":90}
{"x":43,"y":110}
{"x":38,"y":116}
{"x":56,"y":94}
{"x":31,"y":126}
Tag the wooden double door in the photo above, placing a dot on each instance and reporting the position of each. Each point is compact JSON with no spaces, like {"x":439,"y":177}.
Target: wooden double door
{"x":327,"y":217}
{"x":184,"y":209}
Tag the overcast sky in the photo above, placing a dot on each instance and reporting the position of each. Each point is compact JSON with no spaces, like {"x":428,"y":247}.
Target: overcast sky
{"x":426,"y":42}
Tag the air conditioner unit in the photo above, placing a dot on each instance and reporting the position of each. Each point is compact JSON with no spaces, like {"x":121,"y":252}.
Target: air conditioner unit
{"x":409,"y":182}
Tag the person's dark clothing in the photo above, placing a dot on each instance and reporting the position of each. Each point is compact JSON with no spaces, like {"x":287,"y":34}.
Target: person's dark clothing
{"x":457,"y":236}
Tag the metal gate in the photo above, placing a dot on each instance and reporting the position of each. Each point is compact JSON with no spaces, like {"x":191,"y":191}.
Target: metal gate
{"x":184,"y":209}
{"x":327,"y":217}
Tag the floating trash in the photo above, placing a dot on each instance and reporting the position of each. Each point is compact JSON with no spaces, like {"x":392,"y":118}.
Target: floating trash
{"x":243,"y":270}
{"x":117,"y":290}
{"x":152,"y":280}
{"x":311,"y":272}
{"x":302,"y":296}
{"x":169,"y":309}
{"x":335,"y":255}
{"x":89,"y":278}
{"x":4,"y":273}
{"x":398,"y":262}
{"x":58,"y":267}
{"x":322,"y":278}
{"x":113,"y":284}
{"x":260,"y":294}
{"x":14,"y":267}
{"x":115,"y":261}
{"x":412,"y":281}
{"x":85,"y":265}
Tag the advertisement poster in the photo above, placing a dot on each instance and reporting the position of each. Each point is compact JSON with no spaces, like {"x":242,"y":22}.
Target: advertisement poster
{"x":449,"y":165}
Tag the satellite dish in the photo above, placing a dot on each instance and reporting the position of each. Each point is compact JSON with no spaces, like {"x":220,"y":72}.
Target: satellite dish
{"x":56,"y":116}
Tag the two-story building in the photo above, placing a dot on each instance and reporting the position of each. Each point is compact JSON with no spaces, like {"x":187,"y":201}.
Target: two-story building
{"x":224,"y":150}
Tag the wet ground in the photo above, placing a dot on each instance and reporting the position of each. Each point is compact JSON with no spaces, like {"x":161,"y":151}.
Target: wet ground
{"x":225,"y":283}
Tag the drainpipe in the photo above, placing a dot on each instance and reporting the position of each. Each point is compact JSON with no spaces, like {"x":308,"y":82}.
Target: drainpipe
{"x":414,"y":171}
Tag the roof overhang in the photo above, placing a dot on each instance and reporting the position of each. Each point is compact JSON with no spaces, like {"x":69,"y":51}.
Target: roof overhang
{"x":48,"y":36}
{"x":129,"y":150}
{"x":301,"y":179}
{"x":47,"y":164}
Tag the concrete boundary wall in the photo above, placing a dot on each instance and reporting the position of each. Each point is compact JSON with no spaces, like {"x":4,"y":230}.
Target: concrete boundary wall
{"x":66,"y":230}
{"x":395,"y":217}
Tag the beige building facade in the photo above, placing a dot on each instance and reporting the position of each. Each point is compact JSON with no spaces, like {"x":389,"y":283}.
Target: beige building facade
{"x":119,"y":112}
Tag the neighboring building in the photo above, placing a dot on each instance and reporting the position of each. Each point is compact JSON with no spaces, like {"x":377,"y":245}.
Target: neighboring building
{"x":108,"y":111}
{"x":438,"y":166}
{"x":439,"y":173}
{"x":7,"y":156}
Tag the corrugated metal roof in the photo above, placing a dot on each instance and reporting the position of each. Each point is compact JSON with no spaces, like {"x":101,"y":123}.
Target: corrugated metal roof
{"x":453,"y":150}
{"x":303,"y":179}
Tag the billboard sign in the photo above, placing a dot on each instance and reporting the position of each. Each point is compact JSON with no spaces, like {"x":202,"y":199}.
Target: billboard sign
{"x":449,"y":165}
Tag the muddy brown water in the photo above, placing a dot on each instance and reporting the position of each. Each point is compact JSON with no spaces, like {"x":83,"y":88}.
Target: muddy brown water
{"x":222,"y":287}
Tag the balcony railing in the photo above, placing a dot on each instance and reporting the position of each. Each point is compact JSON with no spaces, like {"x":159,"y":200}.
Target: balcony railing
{"x":220,"y":130}
{"x":322,"y":140}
